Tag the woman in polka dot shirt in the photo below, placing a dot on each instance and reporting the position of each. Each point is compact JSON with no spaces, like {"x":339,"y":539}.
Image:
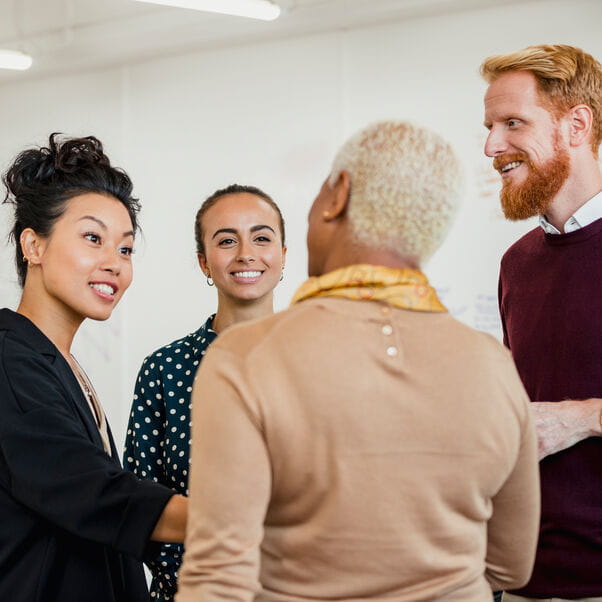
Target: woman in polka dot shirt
{"x":239,"y":233}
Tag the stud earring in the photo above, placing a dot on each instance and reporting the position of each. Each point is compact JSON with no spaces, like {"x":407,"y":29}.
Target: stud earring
{"x":209,"y":281}
{"x":326,"y":214}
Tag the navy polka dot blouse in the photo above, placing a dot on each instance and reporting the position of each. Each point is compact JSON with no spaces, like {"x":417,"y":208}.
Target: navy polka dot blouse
{"x":158,"y":437}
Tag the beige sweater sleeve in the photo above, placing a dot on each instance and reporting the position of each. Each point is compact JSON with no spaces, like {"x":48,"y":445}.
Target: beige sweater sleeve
{"x":514,"y":526}
{"x":229,"y":485}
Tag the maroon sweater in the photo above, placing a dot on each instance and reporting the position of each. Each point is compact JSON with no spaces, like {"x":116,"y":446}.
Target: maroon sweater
{"x":550,"y":295}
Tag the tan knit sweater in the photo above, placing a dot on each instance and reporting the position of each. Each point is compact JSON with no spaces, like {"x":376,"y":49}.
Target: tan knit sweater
{"x":347,"y":450}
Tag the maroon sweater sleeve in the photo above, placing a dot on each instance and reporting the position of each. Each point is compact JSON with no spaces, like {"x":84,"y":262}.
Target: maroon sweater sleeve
{"x":550,"y":300}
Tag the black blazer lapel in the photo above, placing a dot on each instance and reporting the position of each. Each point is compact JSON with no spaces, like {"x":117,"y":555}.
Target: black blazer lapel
{"x":29,"y":333}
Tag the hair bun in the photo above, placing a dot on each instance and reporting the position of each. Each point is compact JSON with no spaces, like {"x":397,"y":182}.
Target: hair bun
{"x":77,"y":153}
{"x":50,"y":165}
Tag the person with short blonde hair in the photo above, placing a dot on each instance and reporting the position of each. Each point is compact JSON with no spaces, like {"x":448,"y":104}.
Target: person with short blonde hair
{"x":406,"y":185}
{"x":363,"y":444}
{"x":543,"y":109}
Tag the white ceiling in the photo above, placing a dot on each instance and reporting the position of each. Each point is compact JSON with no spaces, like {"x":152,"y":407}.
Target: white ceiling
{"x":73,"y":35}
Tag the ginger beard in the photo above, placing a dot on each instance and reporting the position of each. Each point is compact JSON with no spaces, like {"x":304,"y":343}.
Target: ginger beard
{"x":535,"y":194}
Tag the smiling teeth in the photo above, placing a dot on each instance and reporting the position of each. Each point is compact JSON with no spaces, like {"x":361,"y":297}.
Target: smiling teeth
{"x":103,"y":288}
{"x":510,"y":166}
{"x":246,"y":274}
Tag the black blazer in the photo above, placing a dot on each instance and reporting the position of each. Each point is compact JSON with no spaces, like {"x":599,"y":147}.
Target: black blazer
{"x":72,"y":521}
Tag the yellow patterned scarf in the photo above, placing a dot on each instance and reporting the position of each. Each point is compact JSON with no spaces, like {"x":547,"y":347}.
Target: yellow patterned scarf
{"x":407,"y":288}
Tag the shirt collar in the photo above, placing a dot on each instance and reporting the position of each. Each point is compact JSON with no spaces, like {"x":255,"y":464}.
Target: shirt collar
{"x":585,"y":215}
{"x":203,"y":336}
{"x":27,"y":331}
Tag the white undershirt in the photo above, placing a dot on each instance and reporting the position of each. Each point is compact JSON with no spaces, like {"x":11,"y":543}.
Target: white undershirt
{"x":94,"y":403}
{"x":585,"y":215}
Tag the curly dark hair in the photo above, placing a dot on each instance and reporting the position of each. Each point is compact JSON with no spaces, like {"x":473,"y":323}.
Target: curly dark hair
{"x":41,"y":180}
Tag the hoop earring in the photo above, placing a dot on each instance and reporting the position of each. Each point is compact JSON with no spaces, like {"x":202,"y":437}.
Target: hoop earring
{"x":209,"y":281}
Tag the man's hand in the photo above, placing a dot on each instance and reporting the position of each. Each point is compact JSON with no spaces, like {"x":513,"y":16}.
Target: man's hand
{"x":561,"y":424}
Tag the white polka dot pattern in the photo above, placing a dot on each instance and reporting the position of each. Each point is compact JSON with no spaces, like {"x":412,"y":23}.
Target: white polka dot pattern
{"x":158,"y":436}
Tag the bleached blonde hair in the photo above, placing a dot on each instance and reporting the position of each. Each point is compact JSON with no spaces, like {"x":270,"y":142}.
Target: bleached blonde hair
{"x":406,"y":183}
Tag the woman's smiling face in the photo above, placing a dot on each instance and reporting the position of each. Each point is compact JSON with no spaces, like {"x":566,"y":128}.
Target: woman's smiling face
{"x":85,"y":263}
{"x":244,"y":254}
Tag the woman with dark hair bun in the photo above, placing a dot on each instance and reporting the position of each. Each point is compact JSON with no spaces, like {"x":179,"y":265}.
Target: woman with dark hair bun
{"x":240,"y":243}
{"x":74,"y":525}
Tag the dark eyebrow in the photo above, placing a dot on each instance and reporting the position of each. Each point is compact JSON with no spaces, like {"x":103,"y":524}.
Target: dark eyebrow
{"x":261,"y":227}
{"x":103,"y":225}
{"x":234,"y":231}
{"x":94,"y":219}
{"x":224,"y":230}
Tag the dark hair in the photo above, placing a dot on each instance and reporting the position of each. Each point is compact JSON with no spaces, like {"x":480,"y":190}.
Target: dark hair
{"x":41,"y":181}
{"x":217,"y":195}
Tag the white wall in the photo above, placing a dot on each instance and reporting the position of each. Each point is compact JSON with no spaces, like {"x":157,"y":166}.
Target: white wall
{"x":273,"y":115}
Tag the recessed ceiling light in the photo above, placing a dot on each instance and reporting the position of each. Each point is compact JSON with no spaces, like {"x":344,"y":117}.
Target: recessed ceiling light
{"x":13,"y":59}
{"x":254,"y":9}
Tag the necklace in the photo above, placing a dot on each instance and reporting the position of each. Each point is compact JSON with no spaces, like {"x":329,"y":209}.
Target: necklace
{"x":93,"y":402}
{"x":87,"y":388}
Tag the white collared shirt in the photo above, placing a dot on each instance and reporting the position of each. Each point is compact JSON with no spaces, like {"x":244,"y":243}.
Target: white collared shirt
{"x":585,"y":215}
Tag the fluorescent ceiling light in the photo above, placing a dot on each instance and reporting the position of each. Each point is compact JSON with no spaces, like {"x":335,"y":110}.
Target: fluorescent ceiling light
{"x":255,"y":9}
{"x":13,"y":59}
